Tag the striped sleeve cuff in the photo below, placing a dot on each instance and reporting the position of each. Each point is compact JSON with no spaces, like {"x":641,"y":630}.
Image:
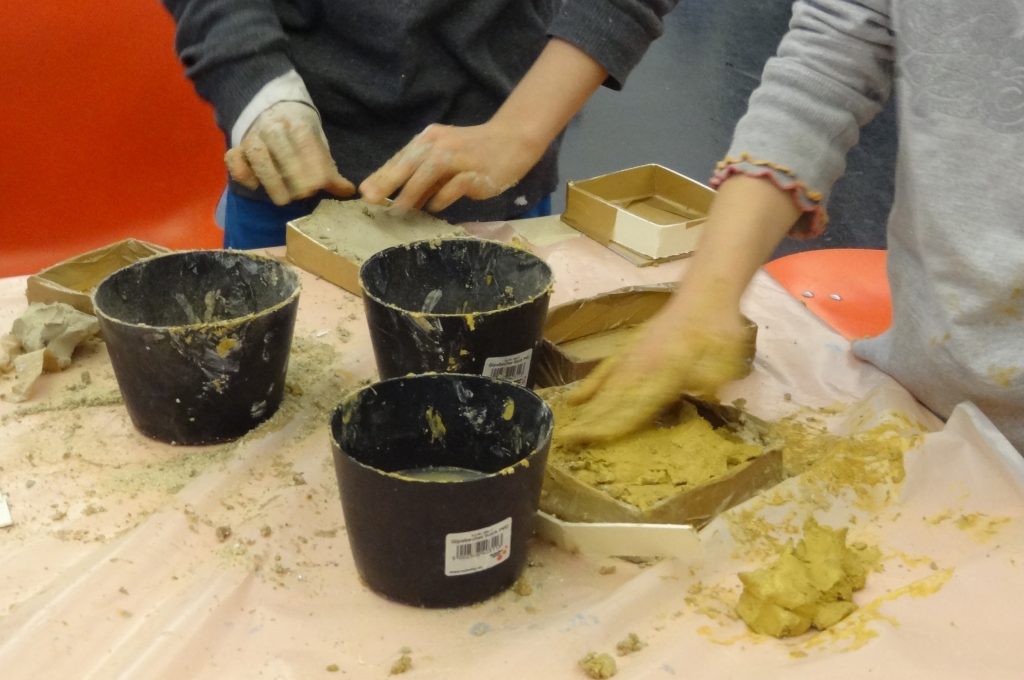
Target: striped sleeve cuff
{"x":813,"y":217}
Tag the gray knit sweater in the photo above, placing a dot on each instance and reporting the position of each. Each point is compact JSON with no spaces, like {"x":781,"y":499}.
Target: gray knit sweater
{"x":381,"y":71}
{"x":956,"y":231}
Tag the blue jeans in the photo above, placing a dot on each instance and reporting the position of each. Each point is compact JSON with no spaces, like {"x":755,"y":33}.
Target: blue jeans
{"x":249,"y":223}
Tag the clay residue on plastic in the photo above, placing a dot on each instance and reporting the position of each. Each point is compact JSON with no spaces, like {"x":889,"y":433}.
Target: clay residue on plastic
{"x":226,"y":345}
{"x":811,"y":584}
{"x":847,"y":463}
{"x":598,"y":666}
{"x":654,"y":464}
{"x":134,"y":478}
{"x":435,"y":424}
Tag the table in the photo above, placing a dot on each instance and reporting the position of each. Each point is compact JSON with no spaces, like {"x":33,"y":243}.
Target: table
{"x":134,"y":559}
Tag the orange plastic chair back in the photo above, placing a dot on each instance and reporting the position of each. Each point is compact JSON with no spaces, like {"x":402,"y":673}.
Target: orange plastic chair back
{"x":847,"y":288}
{"x":104,"y":137}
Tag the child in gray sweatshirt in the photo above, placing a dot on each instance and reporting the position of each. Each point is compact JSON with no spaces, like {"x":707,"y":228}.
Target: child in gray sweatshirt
{"x":955,"y":234}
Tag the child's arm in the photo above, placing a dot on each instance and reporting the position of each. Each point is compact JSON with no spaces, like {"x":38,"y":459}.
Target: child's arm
{"x":698,"y":341}
{"x":444,"y":163}
{"x":832,"y":74}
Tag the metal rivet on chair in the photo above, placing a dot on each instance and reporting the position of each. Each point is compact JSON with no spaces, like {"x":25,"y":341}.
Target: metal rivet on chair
{"x":808,"y":293}
{"x":836,"y":296}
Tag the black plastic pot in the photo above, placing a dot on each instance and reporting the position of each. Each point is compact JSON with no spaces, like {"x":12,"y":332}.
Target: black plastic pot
{"x":417,"y":537}
{"x":199,"y":341}
{"x":456,"y":306}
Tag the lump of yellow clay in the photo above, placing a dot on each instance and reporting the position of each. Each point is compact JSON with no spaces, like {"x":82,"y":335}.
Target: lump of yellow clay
{"x":509,"y":409}
{"x":600,"y":666}
{"x":809,"y":585}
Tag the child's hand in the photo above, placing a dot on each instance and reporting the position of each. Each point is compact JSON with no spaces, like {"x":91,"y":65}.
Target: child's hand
{"x":673,"y":354}
{"x":444,"y":163}
{"x":285,"y":151}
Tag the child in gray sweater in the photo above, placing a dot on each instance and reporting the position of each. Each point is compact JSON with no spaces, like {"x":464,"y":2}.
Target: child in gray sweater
{"x":955,"y":234}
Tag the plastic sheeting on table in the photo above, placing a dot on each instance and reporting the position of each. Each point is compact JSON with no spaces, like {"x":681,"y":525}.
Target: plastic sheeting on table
{"x":128,"y":558}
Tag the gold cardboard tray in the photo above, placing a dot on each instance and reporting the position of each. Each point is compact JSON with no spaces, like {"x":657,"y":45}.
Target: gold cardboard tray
{"x":73,"y":280}
{"x":568,"y":498}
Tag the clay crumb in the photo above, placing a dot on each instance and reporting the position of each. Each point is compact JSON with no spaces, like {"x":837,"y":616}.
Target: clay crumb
{"x":631,"y":643}
{"x":522,"y":587}
{"x":598,"y":666}
{"x":223,"y":533}
{"x":402,"y":665}
{"x":607,"y":569}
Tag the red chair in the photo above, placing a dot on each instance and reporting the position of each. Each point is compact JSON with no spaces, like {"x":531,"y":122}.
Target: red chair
{"x":104,"y":137}
{"x":847,"y":288}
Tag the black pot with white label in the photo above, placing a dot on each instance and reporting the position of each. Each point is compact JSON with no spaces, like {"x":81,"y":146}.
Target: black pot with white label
{"x":440,"y":478}
{"x":460,"y":305}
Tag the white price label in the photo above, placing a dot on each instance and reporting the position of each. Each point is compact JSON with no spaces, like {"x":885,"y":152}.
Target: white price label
{"x":471,"y":551}
{"x":514,"y":368}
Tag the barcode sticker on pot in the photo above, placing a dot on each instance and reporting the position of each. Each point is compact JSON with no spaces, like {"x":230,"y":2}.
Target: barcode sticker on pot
{"x":514,"y":368}
{"x":472,"y":551}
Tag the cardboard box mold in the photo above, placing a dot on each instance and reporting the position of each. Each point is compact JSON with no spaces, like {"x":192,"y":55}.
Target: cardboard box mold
{"x":335,"y":240}
{"x":567,"y":497}
{"x":73,"y":280}
{"x":578,"y":334}
{"x":646,"y":214}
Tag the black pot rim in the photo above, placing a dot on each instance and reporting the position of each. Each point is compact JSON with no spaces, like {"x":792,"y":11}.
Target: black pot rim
{"x":523,"y":462}
{"x":220,"y":323}
{"x":546,"y":290}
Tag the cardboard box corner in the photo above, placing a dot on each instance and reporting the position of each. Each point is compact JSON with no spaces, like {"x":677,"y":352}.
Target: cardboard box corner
{"x":316,"y":258}
{"x":626,"y":211}
{"x":73,"y":280}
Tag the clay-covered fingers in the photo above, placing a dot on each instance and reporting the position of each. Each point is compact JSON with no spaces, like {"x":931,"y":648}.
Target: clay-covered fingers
{"x":592,"y":384}
{"x":624,"y":404}
{"x":306,"y":162}
{"x":670,"y":358}
{"x":387,"y":179}
{"x":712,"y":370}
{"x":238,"y":168}
{"x":302,"y":159}
{"x":438,"y":167}
{"x":285,"y":151}
{"x":260,"y":160}
{"x":469,"y":183}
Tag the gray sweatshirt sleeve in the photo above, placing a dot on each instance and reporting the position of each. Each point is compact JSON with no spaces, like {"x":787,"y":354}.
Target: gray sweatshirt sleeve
{"x":832,"y":74}
{"x":615,"y":33}
{"x":230,"y":50}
